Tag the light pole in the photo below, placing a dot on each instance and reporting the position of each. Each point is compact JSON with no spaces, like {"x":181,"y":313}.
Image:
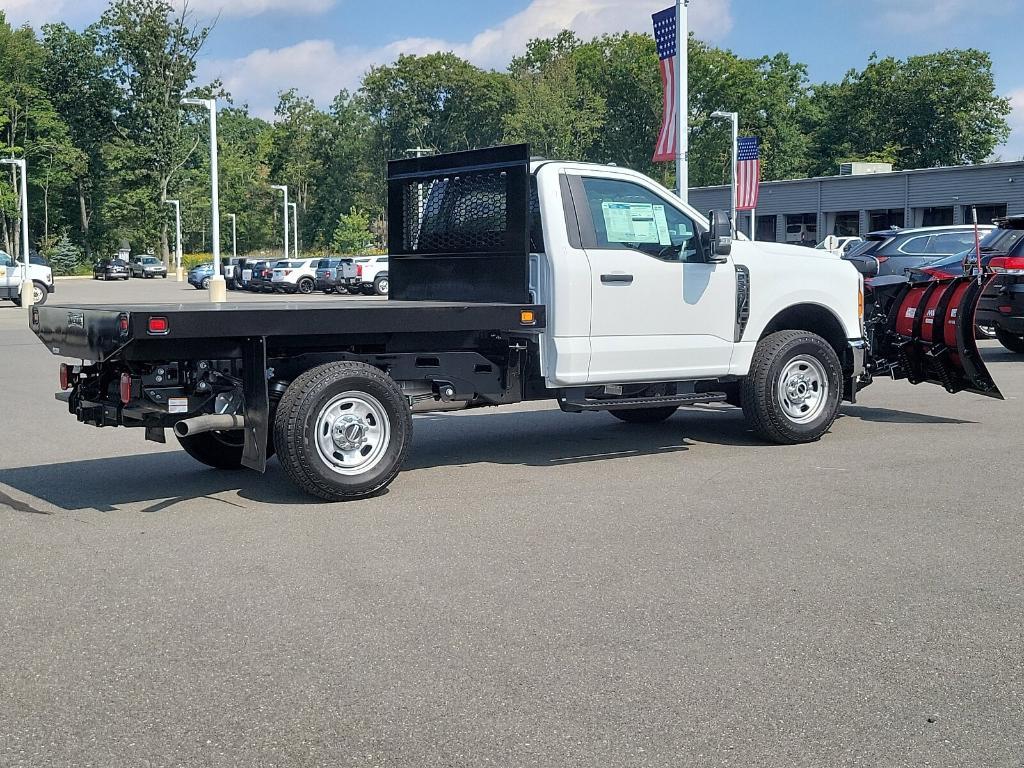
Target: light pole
{"x":284,"y":188}
{"x":26,"y":283}
{"x":218,"y":286}
{"x":177,"y":238}
{"x":734,"y":118}
{"x":295,"y":229}
{"x":234,"y":235}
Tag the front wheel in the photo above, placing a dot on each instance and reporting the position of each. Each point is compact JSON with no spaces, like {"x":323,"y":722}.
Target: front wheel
{"x":342,"y":431}
{"x":794,"y":388}
{"x":1012,"y":341}
{"x":204,"y":284}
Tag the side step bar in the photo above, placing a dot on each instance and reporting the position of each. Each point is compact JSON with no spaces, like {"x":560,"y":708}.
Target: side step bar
{"x":634,"y":403}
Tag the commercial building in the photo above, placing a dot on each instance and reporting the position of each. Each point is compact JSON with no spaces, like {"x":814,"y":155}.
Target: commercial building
{"x":865,"y":200}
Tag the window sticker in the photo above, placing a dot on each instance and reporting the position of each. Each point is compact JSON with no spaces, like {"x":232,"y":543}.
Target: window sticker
{"x":630,"y":222}
{"x":664,"y":237}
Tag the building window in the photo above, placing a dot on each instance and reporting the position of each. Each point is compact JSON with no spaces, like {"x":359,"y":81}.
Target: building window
{"x":766,"y":228}
{"x":986,"y":213}
{"x":846,"y":224}
{"x":885,"y":219}
{"x":936,"y":217}
{"x":802,"y":229}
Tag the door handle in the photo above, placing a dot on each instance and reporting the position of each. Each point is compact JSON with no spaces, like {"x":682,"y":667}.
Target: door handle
{"x":609,"y":279}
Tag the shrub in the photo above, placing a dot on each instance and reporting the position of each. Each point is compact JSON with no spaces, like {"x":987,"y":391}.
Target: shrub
{"x":65,"y":257}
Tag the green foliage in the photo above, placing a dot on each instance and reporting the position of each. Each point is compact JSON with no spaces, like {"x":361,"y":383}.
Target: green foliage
{"x":64,"y":256}
{"x":105,"y":154}
{"x":352,"y":234}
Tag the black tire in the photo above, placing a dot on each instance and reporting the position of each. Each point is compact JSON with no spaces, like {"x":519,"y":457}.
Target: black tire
{"x":381,"y":285}
{"x":220,"y":450}
{"x":645,"y":415}
{"x":305,"y":286}
{"x":811,"y":367}
{"x":298,"y":436}
{"x":1012,"y":341}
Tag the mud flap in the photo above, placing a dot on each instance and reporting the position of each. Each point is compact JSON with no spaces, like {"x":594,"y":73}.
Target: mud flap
{"x":257,"y":403}
{"x":929,"y":336}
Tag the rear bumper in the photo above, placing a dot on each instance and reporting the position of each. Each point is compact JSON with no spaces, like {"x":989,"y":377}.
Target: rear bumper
{"x":1003,"y":305}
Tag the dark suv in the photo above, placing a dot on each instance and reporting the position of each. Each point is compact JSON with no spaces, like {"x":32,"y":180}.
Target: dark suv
{"x":1002,"y":305}
{"x":898,"y":250}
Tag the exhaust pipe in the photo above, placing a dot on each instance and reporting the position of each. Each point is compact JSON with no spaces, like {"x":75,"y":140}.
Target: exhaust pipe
{"x":216,"y":422}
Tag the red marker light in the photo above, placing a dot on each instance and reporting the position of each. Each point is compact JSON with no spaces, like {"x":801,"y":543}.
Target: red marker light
{"x":122,"y":324}
{"x":158,"y":325}
{"x":126,"y":388}
{"x":65,"y":376}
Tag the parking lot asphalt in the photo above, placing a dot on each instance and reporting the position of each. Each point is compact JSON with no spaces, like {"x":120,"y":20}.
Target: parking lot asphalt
{"x":537,"y":588}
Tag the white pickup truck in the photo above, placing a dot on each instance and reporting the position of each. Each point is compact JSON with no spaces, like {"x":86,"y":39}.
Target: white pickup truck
{"x":515,"y":280}
{"x":12,"y":274}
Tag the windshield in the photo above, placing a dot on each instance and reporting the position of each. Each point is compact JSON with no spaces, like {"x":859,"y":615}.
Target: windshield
{"x":1002,"y":240}
{"x":865,"y":247}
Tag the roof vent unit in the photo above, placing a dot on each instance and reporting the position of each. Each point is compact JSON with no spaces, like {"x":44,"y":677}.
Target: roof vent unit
{"x":864,"y":169}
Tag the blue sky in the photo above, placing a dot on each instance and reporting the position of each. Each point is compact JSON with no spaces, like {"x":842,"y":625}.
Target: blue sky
{"x":320,"y":46}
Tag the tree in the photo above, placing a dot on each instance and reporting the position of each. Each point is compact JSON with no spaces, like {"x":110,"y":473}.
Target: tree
{"x":921,"y":112}
{"x":64,"y":256}
{"x":555,"y":107}
{"x":87,"y":109}
{"x":352,"y":234}
{"x":151,"y":51}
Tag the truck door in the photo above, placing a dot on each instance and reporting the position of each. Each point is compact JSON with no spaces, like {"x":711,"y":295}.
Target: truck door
{"x":9,"y":273}
{"x":660,"y":311}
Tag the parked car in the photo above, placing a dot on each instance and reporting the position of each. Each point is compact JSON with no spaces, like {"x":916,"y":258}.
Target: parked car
{"x":371,"y":275}
{"x":233,"y":272}
{"x":147,"y":266}
{"x":261,"y":280}
{"x":1002,"y":305}
{"x":110,"y":269}
{"x":838,"y":245}
{"x":897,"y":250}
{"x":335,"y":275}
{"x":295,"y":276}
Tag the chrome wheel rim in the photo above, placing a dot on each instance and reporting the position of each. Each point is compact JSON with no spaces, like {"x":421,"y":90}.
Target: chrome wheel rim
{"x":37,"y":294}
{"x":353,"y":433}
{"x":383,"y":286}
{"x":803,"y":389}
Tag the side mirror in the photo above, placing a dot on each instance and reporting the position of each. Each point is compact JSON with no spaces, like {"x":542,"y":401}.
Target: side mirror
{"x":866,"y":265}
{"x":719,"y":239}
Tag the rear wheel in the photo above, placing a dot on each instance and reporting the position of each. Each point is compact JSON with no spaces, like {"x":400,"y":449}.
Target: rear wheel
{"x":1012,"y":341}
{"x":794,"y":389}
{"x":221,"y":450}
{"x":342,"y":431}
{"x":645,"y":415}
{"x":381,"y":285}
{"x":305,"y":286}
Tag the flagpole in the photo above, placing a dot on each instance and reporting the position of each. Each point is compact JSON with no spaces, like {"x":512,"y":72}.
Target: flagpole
{"x":682,"y":99}
{"x":753,"y":220}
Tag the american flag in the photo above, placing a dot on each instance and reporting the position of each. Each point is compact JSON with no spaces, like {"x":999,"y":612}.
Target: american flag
{"x":665,"y":35}
{"x":748,"y":173}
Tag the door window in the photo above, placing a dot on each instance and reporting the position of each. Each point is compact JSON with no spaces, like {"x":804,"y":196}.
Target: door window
{"x":627,"y":215}
{"x":916,"y":246}
{"x":951,"y":242}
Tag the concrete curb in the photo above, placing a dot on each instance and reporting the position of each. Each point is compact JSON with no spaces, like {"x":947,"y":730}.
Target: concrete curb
{"x":73,"y":277}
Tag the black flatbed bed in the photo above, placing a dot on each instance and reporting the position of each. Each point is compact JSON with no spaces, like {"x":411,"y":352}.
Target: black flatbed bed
{"x":94,"y":331}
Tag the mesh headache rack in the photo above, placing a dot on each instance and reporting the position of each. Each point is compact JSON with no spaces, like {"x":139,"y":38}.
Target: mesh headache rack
{"x":458,"y":226}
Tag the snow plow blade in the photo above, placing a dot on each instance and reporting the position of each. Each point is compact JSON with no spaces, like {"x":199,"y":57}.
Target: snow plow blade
{"x":929,"y":334}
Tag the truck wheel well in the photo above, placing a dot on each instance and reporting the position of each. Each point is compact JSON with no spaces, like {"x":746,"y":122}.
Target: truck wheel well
{"x":813,"y":318}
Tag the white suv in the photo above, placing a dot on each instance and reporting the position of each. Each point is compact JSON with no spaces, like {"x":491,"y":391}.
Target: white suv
{"x":295,"y":276}
{"x":372,"y":275}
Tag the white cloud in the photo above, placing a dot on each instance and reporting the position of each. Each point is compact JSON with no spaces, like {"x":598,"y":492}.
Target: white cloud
{"x":1014,"y":147}
{"x":34,"y":12}
{"x":320,"y":68}
{"x":39,"y":12}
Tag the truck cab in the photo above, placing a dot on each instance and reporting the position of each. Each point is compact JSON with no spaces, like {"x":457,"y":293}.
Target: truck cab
{"x":635,"y":292}
{"x":13,"y":272}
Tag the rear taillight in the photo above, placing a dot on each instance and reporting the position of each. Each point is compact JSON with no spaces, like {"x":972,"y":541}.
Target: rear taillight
{"x":126,"y":388}
{"x":65,"y":376}
{"x":881,"y":259}
{"x":1006,"y":309}
{"x":1007,"y":265}
{"x":287,"y":272}
{"x":157,"y":326}
{"x":122,"y":324}
{"x":359,"y":270}
{"x":329,"y":273}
